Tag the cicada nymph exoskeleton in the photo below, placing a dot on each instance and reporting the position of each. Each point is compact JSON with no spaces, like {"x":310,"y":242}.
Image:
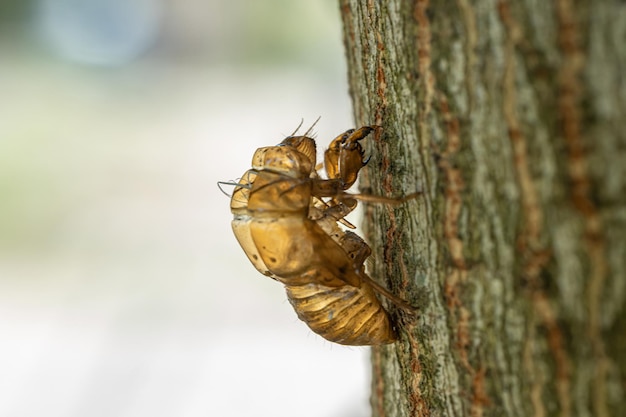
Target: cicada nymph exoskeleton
{"x":286,"y":220}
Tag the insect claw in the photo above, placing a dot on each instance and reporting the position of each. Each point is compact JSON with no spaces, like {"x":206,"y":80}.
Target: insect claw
{"x":346,"y":135}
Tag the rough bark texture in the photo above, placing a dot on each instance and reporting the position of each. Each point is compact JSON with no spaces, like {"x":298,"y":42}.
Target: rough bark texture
{"x":510,"y":117}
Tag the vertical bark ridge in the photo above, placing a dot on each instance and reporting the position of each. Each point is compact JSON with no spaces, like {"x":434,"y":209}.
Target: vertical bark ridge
{"x":570,"y":112}
{"x":454,"y":185}
{"x":535,"y":256}
{"x":460,"y":316}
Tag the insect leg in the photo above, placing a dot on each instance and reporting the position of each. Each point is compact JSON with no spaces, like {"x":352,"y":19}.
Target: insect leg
{"x":344,"y":157}
{"x":392,"y":201}
{"x":359,"y":251}
{"x":334,"y":188}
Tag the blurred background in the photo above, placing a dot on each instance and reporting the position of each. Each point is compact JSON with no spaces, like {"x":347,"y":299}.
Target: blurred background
{"x":122,"y":289}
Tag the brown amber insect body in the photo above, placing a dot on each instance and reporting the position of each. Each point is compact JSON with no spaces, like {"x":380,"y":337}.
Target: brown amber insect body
{"x":285,"y":219}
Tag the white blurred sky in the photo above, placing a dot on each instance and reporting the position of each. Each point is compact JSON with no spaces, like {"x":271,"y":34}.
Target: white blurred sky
{"x":122,"y":289}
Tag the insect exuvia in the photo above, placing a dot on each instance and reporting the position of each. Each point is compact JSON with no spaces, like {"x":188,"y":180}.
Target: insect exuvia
{"x":286,"y":220}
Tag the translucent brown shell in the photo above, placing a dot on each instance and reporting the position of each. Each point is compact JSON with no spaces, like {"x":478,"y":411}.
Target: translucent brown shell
{"x":286,"y":220}
{"x":347,"y":315}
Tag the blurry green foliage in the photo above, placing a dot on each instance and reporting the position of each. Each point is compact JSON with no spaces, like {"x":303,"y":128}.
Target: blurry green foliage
{"x":14,"y":11}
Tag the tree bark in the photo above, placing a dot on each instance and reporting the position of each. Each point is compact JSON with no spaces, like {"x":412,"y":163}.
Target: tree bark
{"x":508,"y":116}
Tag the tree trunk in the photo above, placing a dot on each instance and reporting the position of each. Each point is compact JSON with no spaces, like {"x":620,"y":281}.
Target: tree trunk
{"x":509,"y":117}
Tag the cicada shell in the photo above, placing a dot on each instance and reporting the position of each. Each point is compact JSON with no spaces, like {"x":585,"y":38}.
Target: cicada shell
{"x":286,"y":220}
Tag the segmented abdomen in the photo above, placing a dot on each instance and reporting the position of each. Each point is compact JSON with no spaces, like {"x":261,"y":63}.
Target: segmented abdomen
{"x":347,"y":315}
